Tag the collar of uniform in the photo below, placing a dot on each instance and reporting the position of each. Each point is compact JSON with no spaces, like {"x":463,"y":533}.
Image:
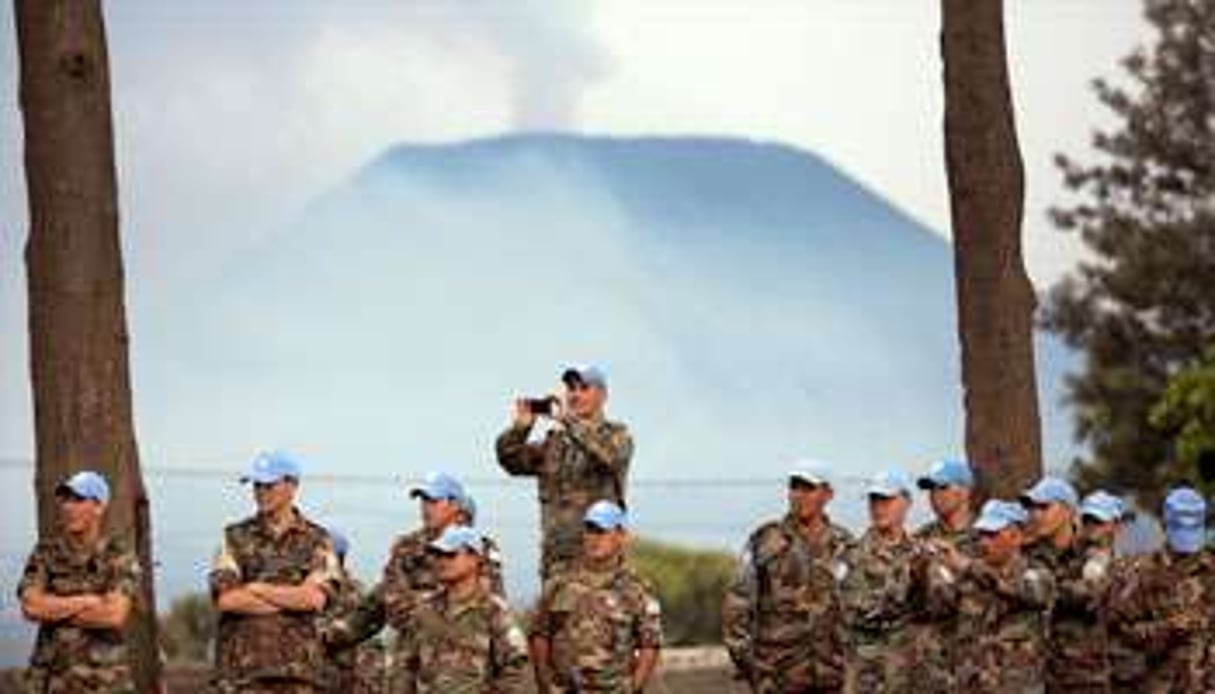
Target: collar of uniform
{"x":296,"y":523}
{"x":794,"y":526}
{"x":874,"y":538}
{"x":85,"y":551}
{"x":454,"y":608}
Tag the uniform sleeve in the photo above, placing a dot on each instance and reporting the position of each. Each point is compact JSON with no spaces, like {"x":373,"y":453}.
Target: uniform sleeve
{"x":325,"y":570}
{"x":543,"y":624}
{"x":610,"y":447}
{"x":515,"y":455}
{"x":126,"y":574}
{"x":35,"y":574}
{"x":738,"y":608}
{"x":225,"y":571}
{"x":492,"y":576}
{"x":509,"y":645}
{"x":398,"y":597}
{"x":648,"y":625}
{"x":1085,"y":590}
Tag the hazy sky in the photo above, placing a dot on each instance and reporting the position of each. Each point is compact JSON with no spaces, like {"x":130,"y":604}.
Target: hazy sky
{"x":231,"y":114}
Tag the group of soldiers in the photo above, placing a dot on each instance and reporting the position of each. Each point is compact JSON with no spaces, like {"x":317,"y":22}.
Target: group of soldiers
{"x":291,"y":618}
{"x":1025,"y":595}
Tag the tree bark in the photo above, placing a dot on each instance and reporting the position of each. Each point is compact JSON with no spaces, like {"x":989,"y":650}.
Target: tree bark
{"x":77,"y":321}
{"x":995,"y":299}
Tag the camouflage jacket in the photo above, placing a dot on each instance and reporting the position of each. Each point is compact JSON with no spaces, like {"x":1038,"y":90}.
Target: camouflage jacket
{"x":576,"y":465}
{"x":1002,"y":627}
{"x":595,"y":620}
{"x":284,"y":645}
{"x":71,"y":658}
{"x":409,"y":575}
{"x":463,"y":648}
{"x":350,"y":619}
{"x":781,"y":617}
{"x":1165,"y":609}
{"x":935,"y":621}
{"x":878,"y":594}
{"x":1078,"y":638}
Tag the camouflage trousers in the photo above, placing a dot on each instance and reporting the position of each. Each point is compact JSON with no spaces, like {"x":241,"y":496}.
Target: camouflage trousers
{"x":79,"y":680}
{"x":790,"y":670}
{"x":932,"y":659}
{"x":881,"y":665}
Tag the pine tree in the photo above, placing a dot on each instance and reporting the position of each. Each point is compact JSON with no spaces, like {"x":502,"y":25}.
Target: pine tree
{"x":1141,"y":306}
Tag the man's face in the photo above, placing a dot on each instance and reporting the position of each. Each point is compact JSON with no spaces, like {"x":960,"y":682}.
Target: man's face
{"x":455,"y":567}
{"x":948,"y":500}
{"x":439,"y":513}
{"x":808,"y":501}
{"x":1098,"y":530}
{"x":602,"y":545}
{"x":274,"y":497}
{"x":1001,"y":546}
{"x":888,"y":512}
{"x":584,"y":401}
{"x":79,"y":516}
{"x":1047,"y":519}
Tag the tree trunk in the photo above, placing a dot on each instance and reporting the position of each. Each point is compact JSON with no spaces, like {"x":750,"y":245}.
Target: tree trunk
{"x":995,"y":298}
{"x":77,"y":322}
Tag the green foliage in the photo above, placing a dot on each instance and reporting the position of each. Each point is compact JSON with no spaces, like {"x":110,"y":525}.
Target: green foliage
{"x":690,"y":584}
{"x":1141,"y":307}
{"x":187,"y":632}
{"x":1187,"y":413}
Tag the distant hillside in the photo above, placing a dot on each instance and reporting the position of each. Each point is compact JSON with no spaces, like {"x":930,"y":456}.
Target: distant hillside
{"x":752,"y":303}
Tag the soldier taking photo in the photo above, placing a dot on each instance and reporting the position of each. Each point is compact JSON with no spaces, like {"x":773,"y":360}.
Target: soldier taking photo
{"x":582,"y":458}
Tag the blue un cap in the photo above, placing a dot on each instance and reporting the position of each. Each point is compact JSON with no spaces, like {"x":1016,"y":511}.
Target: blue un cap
{"x":947,"y":473}
{"x":889,"y":484}
{"x":1103,"y":506}
{"x":606,"y":515}
{"x":1050,"y":490}
{"x":997,"y":515}
{"x":268,"y":468}
{"x":811,"y":472}
{"x":589,"y":374}
{"x":439,"y":486}
{"x":456,"y":538}
{"x":86,"y":484}
{"x":1185,"y":517}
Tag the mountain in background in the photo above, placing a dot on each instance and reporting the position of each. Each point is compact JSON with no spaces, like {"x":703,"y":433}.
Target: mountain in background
{"x":751,"y":302}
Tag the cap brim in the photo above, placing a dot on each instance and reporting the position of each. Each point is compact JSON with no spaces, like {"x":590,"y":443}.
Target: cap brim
{"x":928,"y":484}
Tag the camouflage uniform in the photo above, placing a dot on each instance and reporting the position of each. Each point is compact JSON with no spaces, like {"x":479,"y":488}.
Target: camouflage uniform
{"x":878,"y":593}
{"x":781,"y":617}
{"x":463,"y":648}
{"x":279,"y":652}
{"x":1002,"y":627}
{"x":354,"y":663}
{"x":1128,"y":665}
{"x":577,"y":464}
{"x":1164,"y":610}
{"x":935,"y":630}
{"x":410,"y":574}
{"x":1078,"y":636}
{"x":595,"y":620}
{"x":70,"y":659}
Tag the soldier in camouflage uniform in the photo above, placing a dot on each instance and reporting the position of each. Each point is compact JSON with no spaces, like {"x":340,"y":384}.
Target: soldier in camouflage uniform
{"x":1077,"y":642}
{"x":462,"y":639}
{"x":879,"y":592}
{"x":781,"y":618}
{"x":1002,"y":602}
{"x":412,"y":571}
{"x":272,"y":577}
{"x":598,"y":626}
{"x":79,"y":586}
{"x":949,"y":484}
{"x":1165,"y":607}
{"x":583,"y":457}
{"x":355,"y":663}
